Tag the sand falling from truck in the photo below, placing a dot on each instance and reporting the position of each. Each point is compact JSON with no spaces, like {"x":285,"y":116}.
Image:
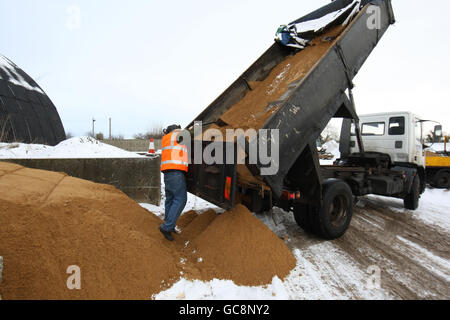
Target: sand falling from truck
{"x":50,"y":221}
{"x":253,"y":110}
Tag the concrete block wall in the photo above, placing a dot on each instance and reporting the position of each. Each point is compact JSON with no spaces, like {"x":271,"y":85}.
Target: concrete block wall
{"x":139,"y":178}
{"x":134,"y":145}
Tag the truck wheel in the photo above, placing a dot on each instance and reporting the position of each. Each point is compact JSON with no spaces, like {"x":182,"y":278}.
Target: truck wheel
{"x":302,"y":215}
{"x":332,"y":220}
{"x":441,"y":179}
{"x":411,"y":201}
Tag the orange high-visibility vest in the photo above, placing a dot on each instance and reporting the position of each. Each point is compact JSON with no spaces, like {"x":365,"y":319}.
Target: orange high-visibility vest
{"x":174,"y":156}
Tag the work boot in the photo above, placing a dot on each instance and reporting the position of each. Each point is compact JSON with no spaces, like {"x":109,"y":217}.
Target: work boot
{"x":166,"y":234}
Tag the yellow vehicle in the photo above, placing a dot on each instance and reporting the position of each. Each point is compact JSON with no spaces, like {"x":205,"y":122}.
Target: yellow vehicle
{"x":438,"y":167}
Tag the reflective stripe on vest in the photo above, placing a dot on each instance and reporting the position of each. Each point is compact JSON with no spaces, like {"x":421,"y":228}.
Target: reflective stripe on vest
{"x":174,"y":156}
{"x":174,"y":162}
{"x":174,"y":148}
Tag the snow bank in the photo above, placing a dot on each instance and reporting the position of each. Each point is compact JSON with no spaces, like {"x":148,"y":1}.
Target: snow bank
{"x":79,"y":147}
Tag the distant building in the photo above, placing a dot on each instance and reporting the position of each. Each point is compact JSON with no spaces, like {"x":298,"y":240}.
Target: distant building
{"x":26,"y":112}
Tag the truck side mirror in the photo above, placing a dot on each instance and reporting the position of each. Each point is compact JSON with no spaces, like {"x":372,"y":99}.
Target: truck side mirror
{"x":438,"y":131}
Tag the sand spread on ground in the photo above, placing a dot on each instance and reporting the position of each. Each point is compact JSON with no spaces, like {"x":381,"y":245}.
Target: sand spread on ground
{"x":50,"y":221}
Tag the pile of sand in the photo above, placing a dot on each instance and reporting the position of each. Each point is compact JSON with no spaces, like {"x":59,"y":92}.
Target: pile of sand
{"x":49,"y":221}
{"x":238,"y":246}
{"x":233,"y":245}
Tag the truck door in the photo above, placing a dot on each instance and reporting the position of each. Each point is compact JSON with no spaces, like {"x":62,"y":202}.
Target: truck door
{"x":398,"y":137}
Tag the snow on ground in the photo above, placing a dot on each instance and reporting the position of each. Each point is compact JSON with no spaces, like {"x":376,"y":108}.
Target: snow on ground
{"x":193,"y":203}
{"x":79,"y":147}
{"x":222,"y":290}
{"x":318,"y":280}
{"x":324,"y":270}
{"x":429,"y":260}
{"x":434,"y":207}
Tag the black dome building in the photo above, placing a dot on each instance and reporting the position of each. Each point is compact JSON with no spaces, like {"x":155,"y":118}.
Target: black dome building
{"x":26,"y":113}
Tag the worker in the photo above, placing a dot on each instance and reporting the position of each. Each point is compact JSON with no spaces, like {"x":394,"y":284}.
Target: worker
{"x":174,"y":165}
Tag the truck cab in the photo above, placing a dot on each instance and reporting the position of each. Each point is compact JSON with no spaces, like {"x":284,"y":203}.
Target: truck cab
{"x":397,"y":134}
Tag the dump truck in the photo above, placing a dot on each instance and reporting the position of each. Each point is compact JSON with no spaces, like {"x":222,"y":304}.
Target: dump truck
{"x":292,"y":94}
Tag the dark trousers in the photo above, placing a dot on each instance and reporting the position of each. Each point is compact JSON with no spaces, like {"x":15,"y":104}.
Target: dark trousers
{"x":176,"y":198}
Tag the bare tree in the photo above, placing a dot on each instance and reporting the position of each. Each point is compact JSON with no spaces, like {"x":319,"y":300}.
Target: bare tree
{"x":99,"y":136}
{"x":118,"y":137}
{"x":155,"y":132}
{"x":329,"y":133}
{"x":69,"y":135}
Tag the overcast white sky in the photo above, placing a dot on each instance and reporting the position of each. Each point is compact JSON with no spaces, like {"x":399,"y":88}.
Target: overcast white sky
{"x":145,"y":62}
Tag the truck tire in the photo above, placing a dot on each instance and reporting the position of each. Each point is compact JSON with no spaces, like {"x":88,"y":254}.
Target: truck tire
{"x":411,"y":200}
{"x":302,"y":215}
{"x":332,"y":220}
{"x":441,"y":179}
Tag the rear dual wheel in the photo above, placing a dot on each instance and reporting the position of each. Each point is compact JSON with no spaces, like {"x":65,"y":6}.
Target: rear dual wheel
{"x":333,"y":218}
